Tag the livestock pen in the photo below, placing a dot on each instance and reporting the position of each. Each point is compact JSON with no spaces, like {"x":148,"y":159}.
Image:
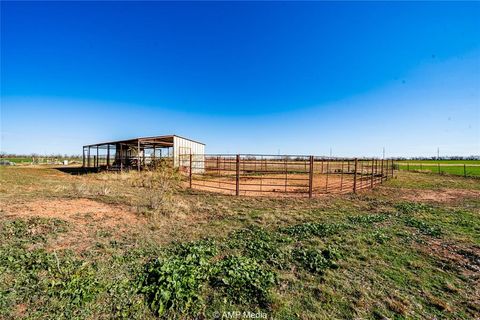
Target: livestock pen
{"x":284,"y":175}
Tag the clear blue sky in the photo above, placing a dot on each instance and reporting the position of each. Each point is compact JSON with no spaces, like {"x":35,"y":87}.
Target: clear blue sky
{"x":296,"y":78}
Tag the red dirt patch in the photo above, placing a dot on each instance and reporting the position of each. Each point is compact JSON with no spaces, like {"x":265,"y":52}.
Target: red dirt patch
{"x":85,"y":217}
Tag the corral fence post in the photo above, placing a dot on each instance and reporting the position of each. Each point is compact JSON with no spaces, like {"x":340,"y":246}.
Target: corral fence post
{"x":371,"y":180}
{"x":393,"y":168}
{"x":310,"y":178}
{"x":464,"y":170}
{"x":439,"y":168}
{"x":381,"y":177}
{"x":83,"y":157}
{"x":326,"y":179}
{"x":237,"y":176}
{"x":190,"y":171}
{"x":355,"y":176}
{"x":341,"y":177}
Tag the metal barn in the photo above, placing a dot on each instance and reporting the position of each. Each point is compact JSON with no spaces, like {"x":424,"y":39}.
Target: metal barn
{"x":144,"y":153}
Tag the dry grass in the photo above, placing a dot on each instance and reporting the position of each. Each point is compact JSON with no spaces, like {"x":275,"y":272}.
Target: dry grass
{"x":113,"y":223}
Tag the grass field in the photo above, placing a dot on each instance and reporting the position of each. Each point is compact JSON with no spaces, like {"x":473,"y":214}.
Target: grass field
{"x":127,"y":246}
{"x":469,"y":168}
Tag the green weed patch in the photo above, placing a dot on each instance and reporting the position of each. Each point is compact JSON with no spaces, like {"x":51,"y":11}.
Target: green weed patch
{"x":412,"y":207}
{"x":174,"y":283}
{"x":257,"y":243}
{"x":305,"y":230}
{"x":243,"y":280}
{"x":314,"y":260}
{"x":368,"y":218}
{"x":423,"y":227}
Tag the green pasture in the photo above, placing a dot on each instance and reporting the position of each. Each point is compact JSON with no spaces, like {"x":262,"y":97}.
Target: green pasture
{"x":469,"y":169}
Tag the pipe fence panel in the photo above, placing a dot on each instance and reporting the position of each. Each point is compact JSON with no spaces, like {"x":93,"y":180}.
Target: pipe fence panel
{"x":285,"y":175}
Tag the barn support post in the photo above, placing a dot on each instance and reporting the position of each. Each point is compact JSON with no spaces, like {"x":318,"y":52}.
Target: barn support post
{"x":108,"y":156}
{"x":153,"y":162}
{"x":121,"y":158}
{"x":237,"y":176}
{"x":88,"y":157}
{"x":190,"y":172}
{"x":138,"y":155}
{"x":373,"y":174}
{"x":310,"y":178}
{"x":83,"y":157}
{"x":143,"y":158}
{"x":355,"y":176}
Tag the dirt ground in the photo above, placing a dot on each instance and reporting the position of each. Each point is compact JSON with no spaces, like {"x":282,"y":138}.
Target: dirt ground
{"x":83,"y":215}
{"x":443,"y":195}
{"x":291,"y":185}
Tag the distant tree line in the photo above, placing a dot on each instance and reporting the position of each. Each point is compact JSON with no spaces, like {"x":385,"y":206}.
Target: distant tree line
{"x":440,"y":158}
{"x":36,"y":156}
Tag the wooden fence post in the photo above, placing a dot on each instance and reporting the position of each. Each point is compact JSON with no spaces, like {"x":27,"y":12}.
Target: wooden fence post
{"x":83,"y":157}
{"x":190,"y":172}
{"x":439,"y":168}
{"x":310,"y":178}
{"x":237,"y":177}
{"x":464,"y":170}
{"x":355,"y":176}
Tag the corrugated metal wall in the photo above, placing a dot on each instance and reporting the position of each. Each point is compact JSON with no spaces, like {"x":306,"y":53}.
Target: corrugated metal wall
{"x":182,"y":148}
